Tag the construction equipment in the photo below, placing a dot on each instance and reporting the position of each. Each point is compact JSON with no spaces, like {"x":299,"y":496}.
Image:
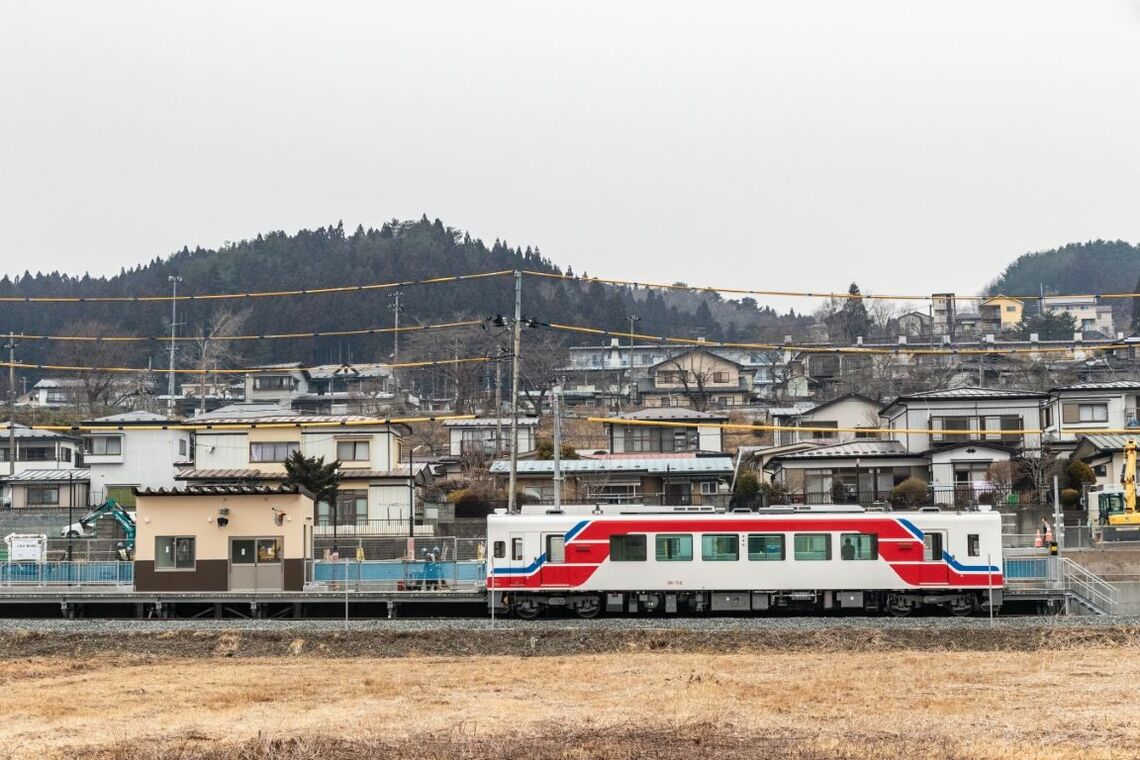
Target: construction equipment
{"x":1116,"y":514}
{"x":86,"y":524}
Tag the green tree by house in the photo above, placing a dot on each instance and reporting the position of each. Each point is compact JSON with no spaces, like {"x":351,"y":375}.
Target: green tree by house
{"x":318,"y":478}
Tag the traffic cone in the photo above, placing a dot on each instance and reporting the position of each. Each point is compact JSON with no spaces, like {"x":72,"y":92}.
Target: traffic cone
{"x":1037,"y":540}
{"x":1048,"y":535}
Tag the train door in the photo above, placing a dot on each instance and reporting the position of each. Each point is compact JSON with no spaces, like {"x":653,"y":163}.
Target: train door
{"x":517,"y":562}
{"x":934,"y":569}
{"x":554,"y":567}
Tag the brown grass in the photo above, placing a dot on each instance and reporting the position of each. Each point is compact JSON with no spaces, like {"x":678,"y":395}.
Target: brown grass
{"x":945,"y":705}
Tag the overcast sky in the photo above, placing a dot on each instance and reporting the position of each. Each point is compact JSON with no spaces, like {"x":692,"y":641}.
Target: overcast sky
{"x":911,"y":146}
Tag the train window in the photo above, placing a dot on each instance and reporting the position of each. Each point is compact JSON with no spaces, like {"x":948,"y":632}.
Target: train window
{"x":813,"y":546}
{"x":516,"y":548}
{"x":674,"y":548}
{"x":720,"y":548}
{"x":629,"y":548}
{"x":973,"y":545}
{"x":555,"y":549}
{"x":766,"y":546}
{"x":858,"y":546}
{"x":500,"y":549}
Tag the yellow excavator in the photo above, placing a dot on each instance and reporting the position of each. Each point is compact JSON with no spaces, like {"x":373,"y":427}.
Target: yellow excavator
{"x":1118,"y":516}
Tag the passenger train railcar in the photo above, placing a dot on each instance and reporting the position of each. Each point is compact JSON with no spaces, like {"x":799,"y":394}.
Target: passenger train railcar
{"x":892,"y":562}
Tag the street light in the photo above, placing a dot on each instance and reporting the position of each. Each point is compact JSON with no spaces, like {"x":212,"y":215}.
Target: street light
{"x":174,"y":280}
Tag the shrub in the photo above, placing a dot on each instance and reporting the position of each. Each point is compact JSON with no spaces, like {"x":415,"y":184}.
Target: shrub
{"x":774,"y":493}
{"x":747,"y":491}
{"x":1080,"y":474}
{"x":909,"y":493}
{"x":1070,"y":497}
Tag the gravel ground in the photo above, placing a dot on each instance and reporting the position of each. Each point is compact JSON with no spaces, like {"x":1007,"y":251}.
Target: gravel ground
{"x":457,"y":637}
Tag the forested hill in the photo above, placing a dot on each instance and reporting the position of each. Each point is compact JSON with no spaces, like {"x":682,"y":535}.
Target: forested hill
{"x":1099,"y":266}
{"x":329,"y":256}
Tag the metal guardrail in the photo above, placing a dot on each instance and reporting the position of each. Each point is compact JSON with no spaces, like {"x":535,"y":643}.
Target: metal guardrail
{"x":70,"y":574}
{"x":1088,"y":587}
{"x":398,"y":575}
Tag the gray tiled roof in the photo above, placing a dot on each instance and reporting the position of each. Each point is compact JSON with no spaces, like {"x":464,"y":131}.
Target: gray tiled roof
{"x":970,"y":392}
{"x":38,"y":476}
{"x":483,"y":422}
{"x":671,"y":413}
{"x":1111,"y":385}
{"x":652,"y":465}
{"x":859,"y":448}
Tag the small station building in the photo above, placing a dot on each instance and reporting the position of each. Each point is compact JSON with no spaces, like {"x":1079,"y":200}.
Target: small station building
{"x":222,"y":538}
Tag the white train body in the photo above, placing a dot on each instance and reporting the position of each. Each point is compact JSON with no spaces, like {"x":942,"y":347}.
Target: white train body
{"x":745,"y":561}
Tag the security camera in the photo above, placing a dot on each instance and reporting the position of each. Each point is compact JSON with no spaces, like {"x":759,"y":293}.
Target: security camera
{"x":223,"y":522}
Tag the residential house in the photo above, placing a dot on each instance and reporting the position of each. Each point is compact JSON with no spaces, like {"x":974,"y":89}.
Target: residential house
{"x":915,"y":324}
{"x":839,"y":416}
{"x":965,"y":415}
{"x":243,"y":445}
{"x":653,"y":479}
{"x":276,"y":384}
{"x":363,"y":388}
{"x":222,"y":538}
{"x":680,"y":430}
{"x":134,"y":450}
{"x":64,"y":392}
{"x":1000,"y":313}
{"x":40,"y":449}
{"x":698,"y":379}
{"x":478,"y":436}
{"x":1083,"y":409}
{"x":1104,"y":453}
{"x":856,"y":472}
{"x":1088,"y":313}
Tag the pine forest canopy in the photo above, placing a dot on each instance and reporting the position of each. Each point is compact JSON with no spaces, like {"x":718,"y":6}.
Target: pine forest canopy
{"x":326,"y":257}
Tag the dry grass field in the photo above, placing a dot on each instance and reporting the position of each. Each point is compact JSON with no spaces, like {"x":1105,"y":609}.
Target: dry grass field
{"x":1075,"y":704}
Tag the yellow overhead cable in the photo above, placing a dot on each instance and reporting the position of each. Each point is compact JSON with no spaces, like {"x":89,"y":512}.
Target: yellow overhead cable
{"x":808,"y":294}
{"x":259,"y":425}
{"x":229,"y":371}
{"x":901,"y":348}
{"x":267,"y":336}
{"x":263,"y":294}
{"x":962,"y":436}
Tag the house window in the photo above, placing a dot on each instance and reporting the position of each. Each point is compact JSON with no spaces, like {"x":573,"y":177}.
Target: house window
{"x":708,"y":488}
{"x":273,"y":383}
{"x":352,"y":451}
{"x":766,"y":547}
{"x":720,"y":548}
{"x":628,"y":548}
{"x":1048,"y":416}
{"x":858,"y":546}
{"x":720,"y":377}
{"x":64,"y":454}
{"x":1008,"y":423}
{"x":352,"y":509}
{"x":272,"y":451}
{"x":181,"y":447}
{"x":174,"y":553}
{"x":1078,"y":413}
{"x":35,"y":453}
{"x":43,"y":496}
{"x":105,"y":445}
{"x":827,"y":434}
{"x":674,"y":548}
{"x":812,"y":547}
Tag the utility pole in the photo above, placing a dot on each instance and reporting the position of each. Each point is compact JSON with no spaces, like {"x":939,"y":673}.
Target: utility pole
{"x":499,"y":403}
{"x":395,"y":307}
{"x":633,"y":319}
{"x":11,"y":403}
{"x":512,"y":505}
{"x":174,"y":280}
{"x":556,"y":412}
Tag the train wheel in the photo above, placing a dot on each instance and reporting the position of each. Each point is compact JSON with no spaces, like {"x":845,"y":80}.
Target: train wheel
{"x":527,"y":610}
{"x":961,"y":611}
{"x":589,"y":608}
{"x":898,"y":611}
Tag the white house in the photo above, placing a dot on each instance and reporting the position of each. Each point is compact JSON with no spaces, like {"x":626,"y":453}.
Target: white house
{"x":1074,"y":411}
{"x":249,"y":444}
{"x":133,"y":450}
{"x":680,"y":430}
{"x":965,"y":415}
{"x":840,"y":416}
{"x":44,"y":459}
{"x":1087,"y":312}
{"x":478,"y":436}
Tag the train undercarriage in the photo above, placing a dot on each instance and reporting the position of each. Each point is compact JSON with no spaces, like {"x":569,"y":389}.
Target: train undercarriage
{"x":528,"y":605}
